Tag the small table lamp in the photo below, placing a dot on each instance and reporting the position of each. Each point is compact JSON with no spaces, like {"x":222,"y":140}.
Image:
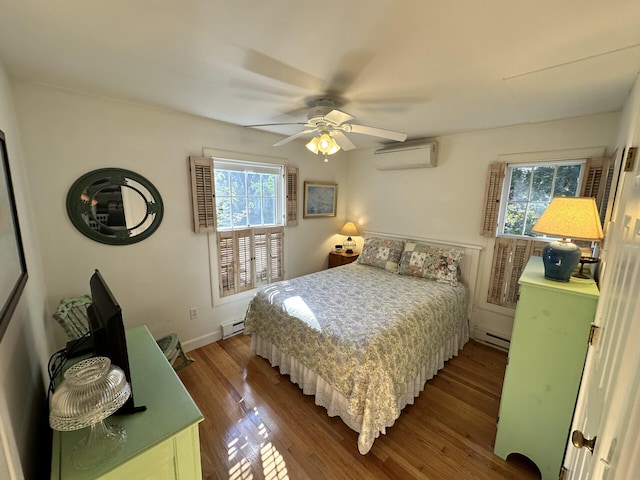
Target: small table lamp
{"x":350,"y":230}
{"x":567,"y":217}
{"x":92,"y":390}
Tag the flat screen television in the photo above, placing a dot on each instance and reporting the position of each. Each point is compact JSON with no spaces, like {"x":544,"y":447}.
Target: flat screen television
{"x":107,"y":332}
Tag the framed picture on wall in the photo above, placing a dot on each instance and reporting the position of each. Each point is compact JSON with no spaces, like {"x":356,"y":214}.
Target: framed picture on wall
{"x":320,"y":199}
{"x":13,"y":272}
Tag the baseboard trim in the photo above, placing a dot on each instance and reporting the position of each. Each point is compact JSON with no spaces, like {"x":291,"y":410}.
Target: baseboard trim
{"x":200,"y":341}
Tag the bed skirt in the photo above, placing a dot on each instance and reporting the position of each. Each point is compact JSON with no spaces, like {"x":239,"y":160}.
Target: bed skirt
{"x":335,"y":403}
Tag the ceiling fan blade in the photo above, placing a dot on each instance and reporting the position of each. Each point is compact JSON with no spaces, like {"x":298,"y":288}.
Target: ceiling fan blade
{"x":273,"y":124}
{"x":270,"y":67}
{"x":351,"y":66}
{"x":294,"y":136}
{"x":376,"y":132}
{"x":342,"y":140}
{"x":338,"y":118}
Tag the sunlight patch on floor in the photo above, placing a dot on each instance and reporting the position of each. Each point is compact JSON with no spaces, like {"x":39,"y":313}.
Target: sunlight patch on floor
{"x":241,"y":471}
{"x":273,"y":465}
{"x":272,"y":462}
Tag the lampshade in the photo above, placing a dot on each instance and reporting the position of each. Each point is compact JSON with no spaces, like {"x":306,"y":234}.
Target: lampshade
{"x":571,"y":217}
{"x":323,"y":143}
{"x":567,"y":217}
{"x":92,"y":390}
{"x":349,"y":229}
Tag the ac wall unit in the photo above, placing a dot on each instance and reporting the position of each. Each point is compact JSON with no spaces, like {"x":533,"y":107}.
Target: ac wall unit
{"x":403,"y":156}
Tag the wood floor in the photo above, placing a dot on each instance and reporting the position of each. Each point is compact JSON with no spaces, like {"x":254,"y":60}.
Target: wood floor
{"x":258,"y":425}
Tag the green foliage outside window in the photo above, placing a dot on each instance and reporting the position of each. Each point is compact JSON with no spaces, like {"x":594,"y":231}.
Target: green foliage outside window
{"x":245,"y":199}
{"x":531,"y":188}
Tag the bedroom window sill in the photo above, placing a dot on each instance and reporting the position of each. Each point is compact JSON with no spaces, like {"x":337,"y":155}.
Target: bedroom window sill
{"x":217,"y":300}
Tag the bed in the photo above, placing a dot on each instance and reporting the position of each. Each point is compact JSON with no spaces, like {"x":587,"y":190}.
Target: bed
{"x":364,"y":338}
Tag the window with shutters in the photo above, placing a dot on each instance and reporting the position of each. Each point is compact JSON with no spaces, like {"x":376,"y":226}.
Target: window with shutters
{"x":246,"y":204}
{"x":516,"y":196}
{"x":250,"y":204}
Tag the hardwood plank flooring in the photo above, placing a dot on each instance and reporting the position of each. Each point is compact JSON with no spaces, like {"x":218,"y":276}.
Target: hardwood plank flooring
{"x":260,"y":426}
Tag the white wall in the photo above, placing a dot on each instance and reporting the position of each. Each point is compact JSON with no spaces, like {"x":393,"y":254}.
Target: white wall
{"x":27,"y":342}
{"x":158,"y":280}
{"x":446,"y":202}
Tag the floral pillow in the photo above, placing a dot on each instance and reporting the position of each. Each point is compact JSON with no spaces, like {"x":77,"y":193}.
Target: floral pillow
{"x":436,"y":263}
{"x":381,"y":253}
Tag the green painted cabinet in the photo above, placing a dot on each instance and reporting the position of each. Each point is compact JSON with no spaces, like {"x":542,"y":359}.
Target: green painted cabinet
{"x":162,"y":442}
{"x":546,"y":358}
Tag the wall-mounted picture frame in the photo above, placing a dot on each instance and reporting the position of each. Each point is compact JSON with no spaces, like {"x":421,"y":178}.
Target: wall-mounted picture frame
{"x":320,"y":199}
{"x":13,"y":273}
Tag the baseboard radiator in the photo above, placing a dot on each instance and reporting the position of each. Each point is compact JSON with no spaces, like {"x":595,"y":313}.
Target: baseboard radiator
{"x":231,"y":329}
{"x":492,"y":339}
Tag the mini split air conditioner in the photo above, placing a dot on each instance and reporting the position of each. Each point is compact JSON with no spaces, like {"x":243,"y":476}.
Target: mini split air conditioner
{"x":413,"y":154}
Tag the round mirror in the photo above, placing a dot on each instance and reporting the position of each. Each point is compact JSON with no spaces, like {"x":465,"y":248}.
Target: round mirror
{"x":114,"y":206}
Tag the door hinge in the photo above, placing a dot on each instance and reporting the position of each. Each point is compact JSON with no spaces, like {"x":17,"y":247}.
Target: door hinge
{"x":630,"y":160}
{"x":594,"y":333}
{"x":564,"y":473}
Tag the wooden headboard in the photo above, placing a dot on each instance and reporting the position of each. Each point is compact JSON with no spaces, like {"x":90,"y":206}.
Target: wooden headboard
{"x":469,"y":265}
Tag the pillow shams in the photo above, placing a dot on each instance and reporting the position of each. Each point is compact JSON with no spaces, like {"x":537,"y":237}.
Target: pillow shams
{"x":436,"y":263}
{"x":381,"y":253}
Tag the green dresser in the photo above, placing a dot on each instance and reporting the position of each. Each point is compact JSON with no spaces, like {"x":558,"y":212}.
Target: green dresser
{"x":546,"y":357}
{"x":162,"y":442}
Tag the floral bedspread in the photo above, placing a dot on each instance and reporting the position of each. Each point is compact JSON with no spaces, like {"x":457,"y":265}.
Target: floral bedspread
{"x":365,"y":330}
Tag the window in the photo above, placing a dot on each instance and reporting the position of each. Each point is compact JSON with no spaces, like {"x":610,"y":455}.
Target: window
{"x":246,"y":204}
{"x":249,"y":199}
{"x":516,"y":195}
{"x":529,"y":190}
{"x":248,"y":194}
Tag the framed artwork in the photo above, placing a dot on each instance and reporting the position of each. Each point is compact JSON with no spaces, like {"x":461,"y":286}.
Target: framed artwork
{"x":320,"y":199}
{"x":13,"y":274}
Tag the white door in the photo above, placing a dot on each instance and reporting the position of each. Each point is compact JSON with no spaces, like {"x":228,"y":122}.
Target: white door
{"x":608,"y":408}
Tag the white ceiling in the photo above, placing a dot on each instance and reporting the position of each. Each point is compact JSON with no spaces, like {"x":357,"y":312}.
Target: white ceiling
{"x":424,"y":67}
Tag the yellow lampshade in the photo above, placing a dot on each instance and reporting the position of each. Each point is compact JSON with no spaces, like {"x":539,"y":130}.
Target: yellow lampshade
{"x":571,"y":217}
{"x":313,"y":145}
{"x":349,"y":229}
{"x":323,"y":143}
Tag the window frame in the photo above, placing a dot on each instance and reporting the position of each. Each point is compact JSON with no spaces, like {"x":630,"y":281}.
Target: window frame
{"x":506,"y":185}
{"x":236,"y":165}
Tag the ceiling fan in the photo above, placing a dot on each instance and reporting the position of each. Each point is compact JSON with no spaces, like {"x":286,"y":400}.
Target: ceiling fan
{"x":331,"y":126}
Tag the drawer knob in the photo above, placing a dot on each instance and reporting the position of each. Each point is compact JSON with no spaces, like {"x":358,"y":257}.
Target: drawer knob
{"x":579,"y":441}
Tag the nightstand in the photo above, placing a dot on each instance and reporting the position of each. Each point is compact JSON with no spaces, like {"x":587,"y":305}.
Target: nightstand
{"x":341,"y":258}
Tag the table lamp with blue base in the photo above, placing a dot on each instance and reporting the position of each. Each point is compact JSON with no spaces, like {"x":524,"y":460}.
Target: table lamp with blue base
{"x":567,"y":217}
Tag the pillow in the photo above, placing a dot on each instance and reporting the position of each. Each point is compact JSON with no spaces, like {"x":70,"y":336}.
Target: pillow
{"x":381,"y":253}
{"x":436,"y":263}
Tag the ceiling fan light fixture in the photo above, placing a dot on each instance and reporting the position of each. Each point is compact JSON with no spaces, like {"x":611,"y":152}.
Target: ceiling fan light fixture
{"x":323,"y":143}
{"x":330,"y":127}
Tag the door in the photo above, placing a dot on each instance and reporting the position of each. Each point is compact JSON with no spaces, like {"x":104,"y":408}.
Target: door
{"x":607,"y":406}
